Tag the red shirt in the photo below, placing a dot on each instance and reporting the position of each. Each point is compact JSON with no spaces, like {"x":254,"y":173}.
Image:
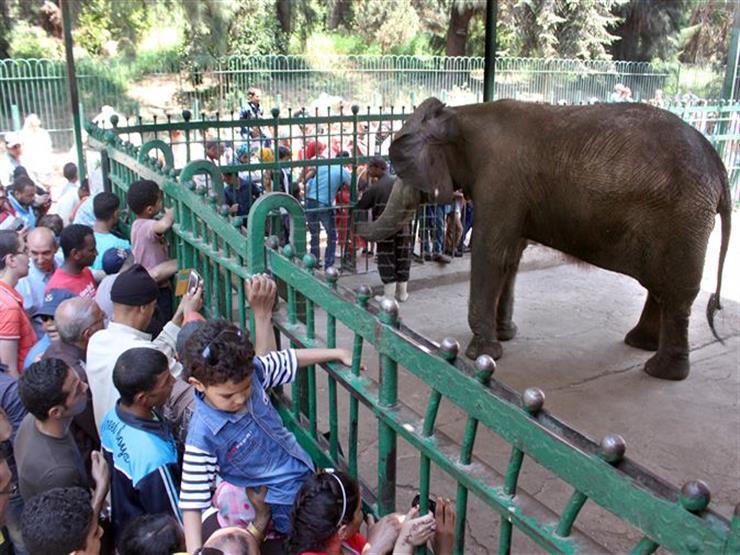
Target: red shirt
{"x":83,"y":284}
{"x":353,"y":544}
{"x":14,"y":322}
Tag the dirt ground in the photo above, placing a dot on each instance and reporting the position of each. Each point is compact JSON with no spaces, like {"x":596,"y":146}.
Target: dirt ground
{"x":572,"y":319}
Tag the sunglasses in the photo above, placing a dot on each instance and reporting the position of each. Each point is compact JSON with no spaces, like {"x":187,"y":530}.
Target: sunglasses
{"x":208,"y":354}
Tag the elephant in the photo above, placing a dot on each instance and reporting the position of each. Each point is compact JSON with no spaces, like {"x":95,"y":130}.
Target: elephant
{"x":626,"y":187}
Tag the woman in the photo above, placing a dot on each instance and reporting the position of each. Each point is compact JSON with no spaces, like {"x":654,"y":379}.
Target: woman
{"x":327,"y":515}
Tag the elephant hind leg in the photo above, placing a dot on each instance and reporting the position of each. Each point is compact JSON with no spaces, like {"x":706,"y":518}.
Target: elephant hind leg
{"x":671,"y":362}
{"x":505,"y":327}
{"x":646,"y":334}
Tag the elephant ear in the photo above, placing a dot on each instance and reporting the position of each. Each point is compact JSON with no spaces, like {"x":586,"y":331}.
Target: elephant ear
{"x":418,"y":150}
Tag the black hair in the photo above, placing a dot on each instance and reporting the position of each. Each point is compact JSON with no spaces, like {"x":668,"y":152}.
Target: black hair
{"x":232,"y":359}
{"x":283,"y":152}
{"x":317,"y":510}
{"x":69,"y":171}
{"x":185,"y":333}
{"x":142,"y":194}
{"x":54,"y":222}
{"x":57,"y":521}
{"x":9,"y":243}
{"x":41,"y":386}
{"x":137,"y":370}
{"x":20,"y":171}
{"x":233,"y":543}
{"x":20,"y":183}
{"x":73,"y":238}
{"x":85,"y":185}
{"x":343,"y":154}
{"x":105,"y":204}
{"x":147,"y":534}
{"x":377,"y":162}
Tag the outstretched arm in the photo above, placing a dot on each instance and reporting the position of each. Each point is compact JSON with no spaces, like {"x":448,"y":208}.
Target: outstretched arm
{"x":261,"y":291}
{"x":307,"y":357}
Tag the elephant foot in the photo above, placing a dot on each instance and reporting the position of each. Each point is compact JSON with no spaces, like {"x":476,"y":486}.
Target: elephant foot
{"x":641,"y":340}
{"x":506,"y":332}
{"x":668,"y":367}
{"x":479,"y":346}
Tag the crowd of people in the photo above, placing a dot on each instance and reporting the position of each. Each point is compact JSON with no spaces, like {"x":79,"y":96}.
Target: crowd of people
{"x":131,"y":426}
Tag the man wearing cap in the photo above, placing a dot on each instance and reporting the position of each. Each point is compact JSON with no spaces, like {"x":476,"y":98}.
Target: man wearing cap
{"x":45,"y":315}
{"x":11,"y":159}
{"x":77,"y":320}
{"x":114,"y":261}
{"x":134,"y":295}
{"x":41,"y":248}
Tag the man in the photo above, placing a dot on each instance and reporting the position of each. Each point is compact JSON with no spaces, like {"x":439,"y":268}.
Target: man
{"x":45,"y":451}
{"x":7,"y":216}
{"x":11,"y":159}
{"x":16,"y":332}
{"x":45,"y":315}
{"x":78,"y":248}
{"x":114,"y":262}
{"x":42,"y":246}
{"x":321,"y":190}
{"x":134,"y":295}
{"x":77,"y":320}
{"x":106,"y":208}
{"x":69,"y":195}
{"x":12,"y":413}
{"x":21,"y":200}
{"x":239,"y":193}
{"x":394,"y":253}
{"x":42,"y":519}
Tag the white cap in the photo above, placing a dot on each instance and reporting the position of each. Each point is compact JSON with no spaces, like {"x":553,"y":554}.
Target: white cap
{"x":12,"y":139}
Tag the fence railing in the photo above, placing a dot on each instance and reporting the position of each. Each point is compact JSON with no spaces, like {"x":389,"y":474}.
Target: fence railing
{"x":157,"y":86}
{"x":678,"y":520}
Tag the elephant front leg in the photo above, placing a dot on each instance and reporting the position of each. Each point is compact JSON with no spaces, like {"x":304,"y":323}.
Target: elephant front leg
{"x":646,"y":334}
{"x":505,"y":327}
{"x":671,"y":362}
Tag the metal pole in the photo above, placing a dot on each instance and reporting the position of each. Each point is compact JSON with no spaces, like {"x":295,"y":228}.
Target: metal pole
{"x":729,"y":89}
{"x":74,"y":98}
{"x":489,"y":67}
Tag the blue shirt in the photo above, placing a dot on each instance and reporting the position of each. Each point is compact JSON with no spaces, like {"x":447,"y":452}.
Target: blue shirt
{"x":37,"y":350}
{"x":142,"y":458}
{"x":25,"y":214}
{"x":324,"y":185}
{"x":105,"y":241}
{"x":250,"y":448}
{"x":85,"y":214}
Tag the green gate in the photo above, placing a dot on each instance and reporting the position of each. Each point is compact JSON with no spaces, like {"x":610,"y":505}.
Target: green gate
{"x":677,"y":520}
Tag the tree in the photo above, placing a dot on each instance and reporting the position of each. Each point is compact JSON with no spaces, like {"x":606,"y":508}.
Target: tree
{"x":4,"y":29}
{"x":461,"y":13}
{"x":707,"y":38}
{"x":339,"y":14}
{"x":648,"y":29}
{"x":389,"y":23}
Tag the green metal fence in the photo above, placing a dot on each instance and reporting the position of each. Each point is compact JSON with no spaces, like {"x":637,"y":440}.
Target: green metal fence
{"x":226,"y":254}
{"x":167,"y":84}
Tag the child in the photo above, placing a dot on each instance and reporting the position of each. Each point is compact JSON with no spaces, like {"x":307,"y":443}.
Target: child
{"x":147,"y":237}
{"x":235,"y":431}
{"x":138,"y":445}
{"x":106,"y":209}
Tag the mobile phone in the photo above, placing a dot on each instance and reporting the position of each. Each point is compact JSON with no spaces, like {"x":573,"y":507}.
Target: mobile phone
{"x":430,"y":503}
{"x":194,"y":281}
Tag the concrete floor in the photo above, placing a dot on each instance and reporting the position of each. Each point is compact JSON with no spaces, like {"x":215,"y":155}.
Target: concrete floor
{"x":572,"y":319}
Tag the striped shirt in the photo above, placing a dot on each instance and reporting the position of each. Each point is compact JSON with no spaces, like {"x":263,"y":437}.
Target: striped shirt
{"x":248,"y":448}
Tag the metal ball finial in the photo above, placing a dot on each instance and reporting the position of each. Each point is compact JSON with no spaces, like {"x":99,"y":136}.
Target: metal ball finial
{"x":390,"y":307}
{"x":695,"y":495}
{"x":186,"y":115}
{"x":275,"y":112}
{"x":533,"y":400}
{"x":288,"y":251}
{"x":309,"y":261}
{"x":363,"y":294}
{"x":612,"y":448}
{"x":449,"y":348}
{"x":114,"y":120}
{"x":332,"y":275}
{"x":355,"y":108}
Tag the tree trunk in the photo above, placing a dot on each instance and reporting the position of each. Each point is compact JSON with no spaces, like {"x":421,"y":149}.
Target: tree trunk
{"x":457,"y":32}
{"x":340,"y":14}
{"x":284,"y":10}
{"x":4,"y":29}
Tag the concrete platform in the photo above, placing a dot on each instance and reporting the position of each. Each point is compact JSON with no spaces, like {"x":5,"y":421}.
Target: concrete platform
{"x":572,"y":319}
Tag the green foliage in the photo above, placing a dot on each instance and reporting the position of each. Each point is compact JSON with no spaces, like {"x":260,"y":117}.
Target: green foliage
{"x":388,"y":23}
{"x":32,"y":42}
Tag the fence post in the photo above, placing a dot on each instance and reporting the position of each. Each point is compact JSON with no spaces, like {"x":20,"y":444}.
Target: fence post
{"x":16,"y":116}
{"x":388,"y":397}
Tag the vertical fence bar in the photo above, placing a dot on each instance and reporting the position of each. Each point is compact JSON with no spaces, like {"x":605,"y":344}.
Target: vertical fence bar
{"x":332,"y":275}
{"x":386,"y":434}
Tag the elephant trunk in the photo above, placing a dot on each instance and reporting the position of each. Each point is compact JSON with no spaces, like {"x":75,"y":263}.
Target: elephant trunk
{"x":399,"y":210}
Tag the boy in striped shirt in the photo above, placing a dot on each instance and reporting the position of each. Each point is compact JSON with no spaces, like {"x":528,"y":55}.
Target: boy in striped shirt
{"x":235,"y":432}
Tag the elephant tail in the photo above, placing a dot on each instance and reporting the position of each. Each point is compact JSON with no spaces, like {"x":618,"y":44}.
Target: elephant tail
{"x":725,"y":214}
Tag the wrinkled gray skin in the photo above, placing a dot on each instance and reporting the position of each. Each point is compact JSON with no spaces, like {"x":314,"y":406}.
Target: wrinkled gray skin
{"x":626,"y":187}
